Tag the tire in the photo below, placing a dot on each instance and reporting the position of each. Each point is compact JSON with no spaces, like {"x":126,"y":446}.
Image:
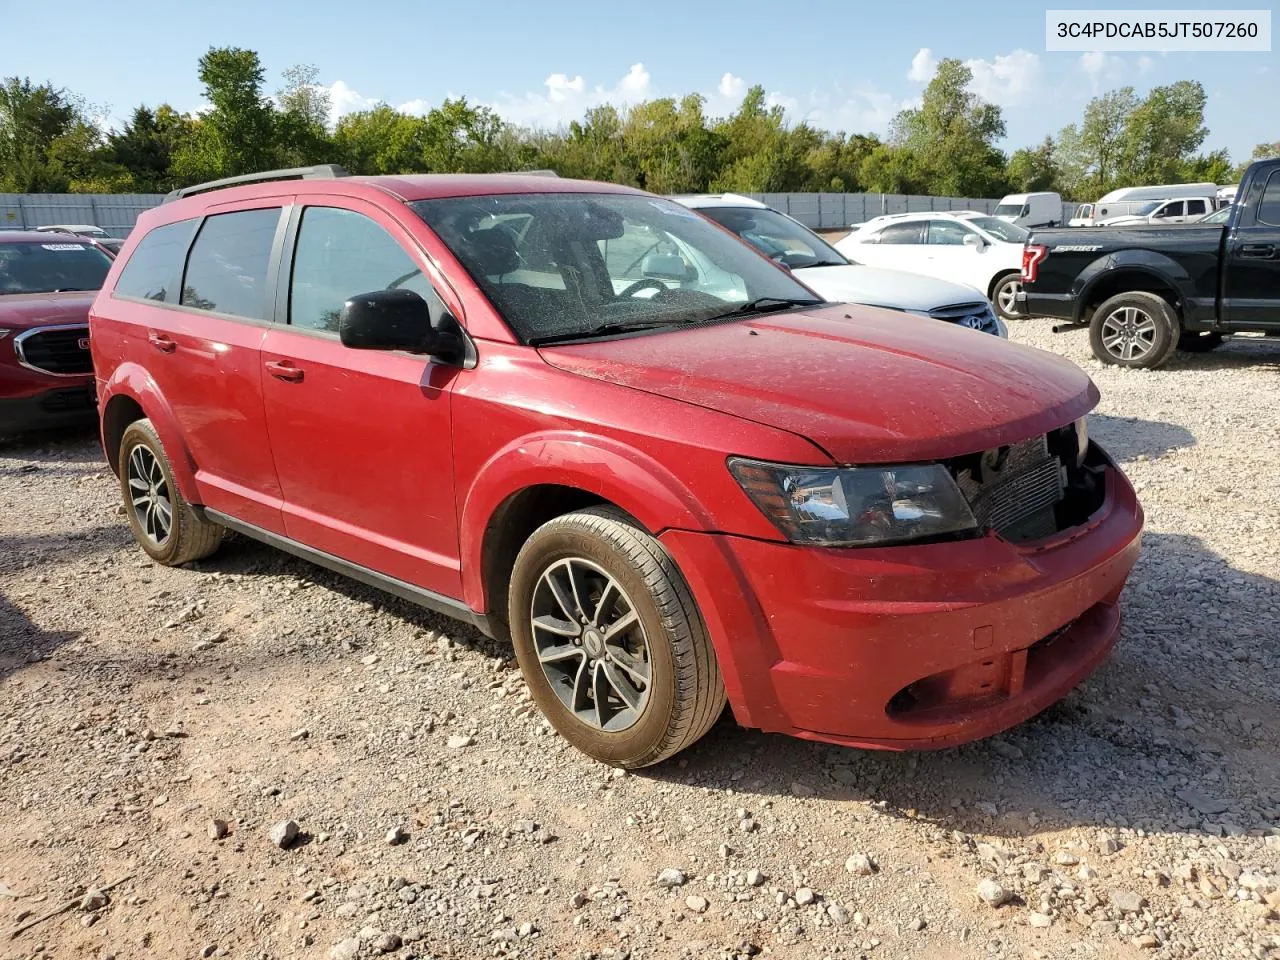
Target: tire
{"x":1003,"y":297}
{"x":1197,"y":342}
{"x":620,"y":575}
{"x":189,"y":536}
{"x":1134,"y":330}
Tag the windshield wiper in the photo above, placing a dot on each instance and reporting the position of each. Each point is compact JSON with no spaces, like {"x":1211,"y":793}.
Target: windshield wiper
{"x":604,"y":329}
{"x":765,"y":305}
{"x":824,"y":263}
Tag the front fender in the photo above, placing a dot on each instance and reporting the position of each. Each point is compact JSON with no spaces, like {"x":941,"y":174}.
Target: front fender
{"x":1156,"y":265}
{"x":633,"y":481}
{"x":133,"y":381}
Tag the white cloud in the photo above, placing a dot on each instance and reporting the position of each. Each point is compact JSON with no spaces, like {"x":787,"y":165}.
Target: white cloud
{"x":1007,"y":80}
{"x":922,"y":66}
{"x":1145,"y":64}
{"x":344,"y":100}
{"x":731,"y":87}
{"x":417,"y":107}
{"x":1101,"y":68}
{"x":567,"y":98}
{"x":863,"y":110}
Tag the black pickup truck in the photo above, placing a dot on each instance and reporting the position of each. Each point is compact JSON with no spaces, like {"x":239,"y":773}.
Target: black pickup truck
{"x":1146,"y":292}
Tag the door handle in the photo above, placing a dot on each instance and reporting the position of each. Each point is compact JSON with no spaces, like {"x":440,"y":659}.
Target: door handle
{"x":161,"y":342}
{"x":284,"y":370}
{"x":1260,"y":251}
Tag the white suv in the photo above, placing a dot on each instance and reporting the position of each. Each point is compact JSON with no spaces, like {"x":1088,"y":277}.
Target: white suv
{"x":825,"y":270}
{"x":967,"y":247}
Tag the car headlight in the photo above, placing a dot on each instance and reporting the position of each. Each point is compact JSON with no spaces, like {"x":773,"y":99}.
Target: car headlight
{"x":856,"y":506}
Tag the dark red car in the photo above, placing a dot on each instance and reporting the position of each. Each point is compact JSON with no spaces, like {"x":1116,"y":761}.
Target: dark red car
{"x":584,"y":418}
{"x":47,"y":282}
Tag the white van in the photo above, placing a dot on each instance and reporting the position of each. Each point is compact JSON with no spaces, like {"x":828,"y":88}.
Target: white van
{"x":1158,"y":212}
{"x":1031,"y":209}
{"x":1128,"y":201}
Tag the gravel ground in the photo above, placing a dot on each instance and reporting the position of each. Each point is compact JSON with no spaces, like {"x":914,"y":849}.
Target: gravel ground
{"x":159,"y":726}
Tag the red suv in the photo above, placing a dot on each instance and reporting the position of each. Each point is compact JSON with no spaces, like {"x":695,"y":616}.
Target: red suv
{"x":587,"y":419}
{"x":47,"y":282}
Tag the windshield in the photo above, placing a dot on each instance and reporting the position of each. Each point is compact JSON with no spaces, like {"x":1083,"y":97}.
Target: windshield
{"x":1009,"y":210}
{"x":777,"y":236}
{"x":49,"y":267}
{"x":559,"y":264}
{"x":1146,"y":208}
{"x":1001,"y":229}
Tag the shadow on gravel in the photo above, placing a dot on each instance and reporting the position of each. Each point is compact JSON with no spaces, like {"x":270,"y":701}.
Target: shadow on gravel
{"x":18,"y":552}
{"x":22,"y":642}
{"x":1178,"y":731}
{"x":54,"y":445}
{"x":1126,"y":438}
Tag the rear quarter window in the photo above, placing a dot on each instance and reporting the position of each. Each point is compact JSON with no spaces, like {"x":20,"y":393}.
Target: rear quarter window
{"x":153,"y":269}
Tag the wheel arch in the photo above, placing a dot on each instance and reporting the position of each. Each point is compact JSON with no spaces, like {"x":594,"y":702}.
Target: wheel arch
{"x":534,"y":479}
{"x":1116,"y":274}
{"x":131,"y":394}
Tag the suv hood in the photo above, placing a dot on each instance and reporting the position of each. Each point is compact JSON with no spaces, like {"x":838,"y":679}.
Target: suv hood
{"x":21,"y":311}
{"x":867,"y":387}
{"x":877,"y":287}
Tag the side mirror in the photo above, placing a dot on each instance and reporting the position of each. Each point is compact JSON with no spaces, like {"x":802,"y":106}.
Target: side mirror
{"x":973,"y":240}
{"x":400,"y":320}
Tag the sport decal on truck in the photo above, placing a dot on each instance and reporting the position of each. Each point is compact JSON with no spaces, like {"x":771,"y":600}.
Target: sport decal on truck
{"x":1077,"y":248}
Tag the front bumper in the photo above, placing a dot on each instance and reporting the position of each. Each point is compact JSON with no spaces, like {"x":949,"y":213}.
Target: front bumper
{"x":63,"y":406}
{"x":911,"y":647}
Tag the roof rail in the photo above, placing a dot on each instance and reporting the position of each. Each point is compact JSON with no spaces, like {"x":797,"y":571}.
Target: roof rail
{"x":324,"y":171}
{"x":535,"y":173}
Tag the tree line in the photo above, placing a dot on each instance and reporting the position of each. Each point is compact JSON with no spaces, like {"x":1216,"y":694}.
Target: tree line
{"x":49,"y":142}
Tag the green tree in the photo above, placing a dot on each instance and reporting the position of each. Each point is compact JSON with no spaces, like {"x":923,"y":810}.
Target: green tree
{"x":891,"y":169}
{"x":46,"y":141}
{"x":379,"y":141}
{"x":237,"y":135}
{"x":1033,"y":168}
{"x":144,"y":147}
{"x":302,"y":135}
{"x":1089,"y":155}
{"x":952,"y":136}
{"x":1162,"y":132}
{"x":460,"y":138}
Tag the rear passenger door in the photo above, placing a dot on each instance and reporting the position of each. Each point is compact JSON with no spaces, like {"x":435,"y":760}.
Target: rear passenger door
{"x":361,"y":438}
{"x":1251,"y":263}
{"x":202,"y":302}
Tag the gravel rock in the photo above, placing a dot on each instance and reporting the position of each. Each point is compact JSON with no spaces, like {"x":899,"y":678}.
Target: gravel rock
{"x":696,"y":903}
{"x":1202,"y":802}
{"x":387,"y":943}
{"x":755,"y":877}
{"x":283,"y":833}
{"x":396,"y":836}
{"x":671,"y":877}
{"x":860,"y":865}
{"x":217,"y":829}
{"x":1042,"y":920}
{"x":460,"y":742}
{"x":347,"y":949}
{"x":992,"y":893}
{"x":1126,"y":901}
{"x":804,"y":896}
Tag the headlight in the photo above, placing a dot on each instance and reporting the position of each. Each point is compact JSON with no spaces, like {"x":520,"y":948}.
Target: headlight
{"x":855,"y":506}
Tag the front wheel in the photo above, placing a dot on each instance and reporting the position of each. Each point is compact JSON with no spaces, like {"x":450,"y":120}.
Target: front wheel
{"x":1135,"y":329}
{"x":609,"y":640}
{"x":1005,"y":297}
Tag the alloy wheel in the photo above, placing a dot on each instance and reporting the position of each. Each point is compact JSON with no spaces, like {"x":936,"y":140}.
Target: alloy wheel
{"x":1007,"y":297}
{"x":591,"y":644}
{"x":1128,"y":333}
{"x":149,"y":495}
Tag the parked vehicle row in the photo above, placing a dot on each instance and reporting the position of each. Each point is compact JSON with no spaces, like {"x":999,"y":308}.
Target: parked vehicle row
{"x":1146,"y":292}
{"x":974,"y":249}
{"x":589,"y":420}
{"x":838,"y":278}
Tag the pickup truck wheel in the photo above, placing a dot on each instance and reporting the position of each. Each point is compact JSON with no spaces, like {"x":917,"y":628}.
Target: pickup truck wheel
{"x":609,"y":640}
{"x":1200,"y":342}
{"x":167,"y":527}
{"x":1005,"y":297}
{"x":1135,"y":329}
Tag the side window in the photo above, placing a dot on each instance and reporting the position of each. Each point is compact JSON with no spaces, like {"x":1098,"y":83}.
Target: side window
{"x":1196,"y":208}
{"x":339,"y":254}
{"x":156,"y":263}
{"x":1170,"y":210}
{"x":1269,"y":207}
{"x":227,"y":268}
{"x":947,"y":233}
{"x":900,"y":233}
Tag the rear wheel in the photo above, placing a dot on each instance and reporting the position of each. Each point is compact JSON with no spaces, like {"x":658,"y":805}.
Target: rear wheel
{"x":1135,"y":329}
{"x":1004,"y":295}
{"x":1200,"y":342}
{"x":167,"y":527}
{"x":610,"y":641}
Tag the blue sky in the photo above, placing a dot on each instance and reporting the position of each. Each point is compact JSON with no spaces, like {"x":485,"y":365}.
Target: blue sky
{"x":842,"y":65}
